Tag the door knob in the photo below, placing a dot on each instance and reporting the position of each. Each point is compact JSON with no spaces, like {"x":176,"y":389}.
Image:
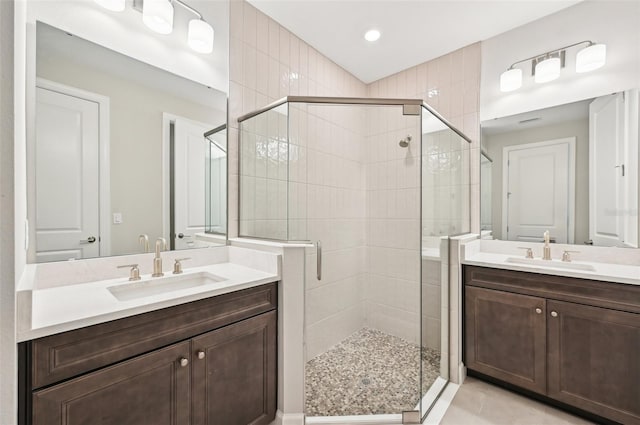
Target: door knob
{"x":182,"y":235}
{"x":90,"y":239}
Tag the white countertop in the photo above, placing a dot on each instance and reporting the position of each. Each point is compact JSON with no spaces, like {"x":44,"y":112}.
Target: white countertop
{"x":619,"y":273}
{"x":51,"y":310}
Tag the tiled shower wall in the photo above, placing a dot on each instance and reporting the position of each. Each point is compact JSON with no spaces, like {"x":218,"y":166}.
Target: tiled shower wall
{"x":336,"y":211}
{"x":393,"y":223}
{"x":451,"y":85}
{"x":267,"y":63}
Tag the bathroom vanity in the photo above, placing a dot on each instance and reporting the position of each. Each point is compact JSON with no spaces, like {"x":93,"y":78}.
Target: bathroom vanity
{"x":195,"y":347}
{"x":194,"y":363}
{"x":570,"y":340}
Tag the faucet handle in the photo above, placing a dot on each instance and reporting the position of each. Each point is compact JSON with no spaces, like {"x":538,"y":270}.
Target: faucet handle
{"x":529,"y":253}
{"x":177,"y":266}
{"x":566,"y":255}
{"x":134,"y":274}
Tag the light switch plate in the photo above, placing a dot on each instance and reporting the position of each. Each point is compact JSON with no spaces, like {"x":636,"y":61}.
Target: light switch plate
{"x":117,"y":218}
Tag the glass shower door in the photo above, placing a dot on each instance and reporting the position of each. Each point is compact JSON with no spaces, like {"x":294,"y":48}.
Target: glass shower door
{"x":361,"y":194}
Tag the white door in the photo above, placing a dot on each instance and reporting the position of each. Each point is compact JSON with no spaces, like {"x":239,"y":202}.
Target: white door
{"x":66,"y":177}
{"x":539,"y":180}
{"x":189,"y":155}
{"x":606,"y":180}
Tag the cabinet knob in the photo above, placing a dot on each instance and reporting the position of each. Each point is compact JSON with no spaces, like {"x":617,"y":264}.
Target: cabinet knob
{"x":201,"y":354}
{"x":554,"y":314}
{"x":184,"y":362}
{"x":539,"y":310}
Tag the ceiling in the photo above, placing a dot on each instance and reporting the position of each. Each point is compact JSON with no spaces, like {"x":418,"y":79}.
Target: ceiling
{"x":540,"y":118}
{"x":413,"y":31}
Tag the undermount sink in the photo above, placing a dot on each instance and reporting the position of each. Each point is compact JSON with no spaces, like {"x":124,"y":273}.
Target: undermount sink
{"x":155,"y":286}
{"x":556,"y":264}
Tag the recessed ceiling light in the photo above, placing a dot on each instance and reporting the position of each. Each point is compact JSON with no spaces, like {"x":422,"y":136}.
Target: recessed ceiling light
{"x":372,"y":35}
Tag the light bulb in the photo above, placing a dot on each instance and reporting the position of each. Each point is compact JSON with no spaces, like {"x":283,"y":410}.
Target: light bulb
{"x":547,"y":70}
{"x":511,"y":80}
{"x":158,"y":15}
{"x":200,"y":37}
{"x":372,"y":35}
{"x":113,"y":5}
{"x":591,"y":57}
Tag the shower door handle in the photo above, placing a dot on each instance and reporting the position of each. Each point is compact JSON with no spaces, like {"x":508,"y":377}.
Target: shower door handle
{"x":319,"y":259}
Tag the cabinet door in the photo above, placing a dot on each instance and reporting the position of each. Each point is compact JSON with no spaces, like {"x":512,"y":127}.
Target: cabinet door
{"x":234,"y":373}
{"x":594,"y":359}
{"x":505,"y":337}
{"x":152,"y":389}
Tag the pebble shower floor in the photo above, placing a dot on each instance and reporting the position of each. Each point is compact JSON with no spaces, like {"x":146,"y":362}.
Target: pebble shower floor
{"x":368,"y":373}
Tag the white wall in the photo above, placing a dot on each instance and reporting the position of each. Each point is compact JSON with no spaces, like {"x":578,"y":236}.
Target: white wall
{"x":12,"y":259}
{"x":614,"y":23}
{"x":117,"y":30}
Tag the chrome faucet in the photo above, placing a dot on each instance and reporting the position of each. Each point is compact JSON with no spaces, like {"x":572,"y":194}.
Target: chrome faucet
{"x":161,"y":243}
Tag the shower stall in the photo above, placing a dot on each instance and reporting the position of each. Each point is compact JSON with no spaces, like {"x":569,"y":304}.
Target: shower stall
{"x":376,"y":187}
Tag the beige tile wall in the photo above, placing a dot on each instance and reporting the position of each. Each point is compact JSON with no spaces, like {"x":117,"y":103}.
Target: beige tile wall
{"x":451,"y":85}
{"x":393,"y":220}
{"x":267,"y":62}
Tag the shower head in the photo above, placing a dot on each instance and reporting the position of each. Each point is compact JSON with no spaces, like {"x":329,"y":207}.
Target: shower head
{"x":405,"y":142}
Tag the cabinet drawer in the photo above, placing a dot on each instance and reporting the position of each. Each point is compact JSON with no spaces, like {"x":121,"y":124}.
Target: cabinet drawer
{"x":65,"y":355}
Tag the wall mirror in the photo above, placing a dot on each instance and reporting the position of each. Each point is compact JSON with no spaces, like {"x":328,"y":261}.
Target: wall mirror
{"x":571,"y":169}
{"x":120,"y":152}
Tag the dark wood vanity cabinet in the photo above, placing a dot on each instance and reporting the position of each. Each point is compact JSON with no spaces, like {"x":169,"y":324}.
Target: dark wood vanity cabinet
{"x":149,"y":389}
{"x":506,"y":337}
{"x":572,"y":341}
{"x":218,"y":368}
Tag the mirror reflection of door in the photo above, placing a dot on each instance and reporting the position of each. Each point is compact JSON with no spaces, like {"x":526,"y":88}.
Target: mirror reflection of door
{"x":540,"y":190}
{"x":188,"y":153}
{"x":67,"y":173}
{"x":609,"y":172}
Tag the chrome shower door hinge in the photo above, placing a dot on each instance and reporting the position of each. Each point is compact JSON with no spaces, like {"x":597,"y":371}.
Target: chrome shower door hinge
{"x":411,"y":417}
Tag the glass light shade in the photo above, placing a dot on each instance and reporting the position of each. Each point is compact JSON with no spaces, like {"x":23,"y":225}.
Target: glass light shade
{"x":372,"y":35}
{"x":591,"y":57}
{"x":511,"y":80}
{"x":113,"y":5}
{"x":158,"y":15}
{"x":547,"y":70}
{"x":200,"y":37}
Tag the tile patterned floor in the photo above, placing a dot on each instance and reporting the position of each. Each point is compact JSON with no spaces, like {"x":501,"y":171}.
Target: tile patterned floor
{"x":480,"y":403}
{"x":368,"y":373}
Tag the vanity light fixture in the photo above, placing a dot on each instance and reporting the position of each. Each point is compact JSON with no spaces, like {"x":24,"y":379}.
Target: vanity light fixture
{"x":546,"y":66}
{"x":157,"y":15}
{"x":591,"y":57}
{"x":548,"y":69}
